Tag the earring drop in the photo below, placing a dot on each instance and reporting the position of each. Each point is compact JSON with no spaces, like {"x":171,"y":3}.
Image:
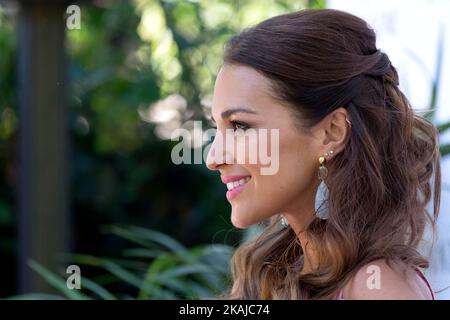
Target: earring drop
{"x":322,"y":194}
{"x":284,"y":221}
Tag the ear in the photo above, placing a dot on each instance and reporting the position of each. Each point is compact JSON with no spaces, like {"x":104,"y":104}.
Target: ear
{"x":336,"y":128}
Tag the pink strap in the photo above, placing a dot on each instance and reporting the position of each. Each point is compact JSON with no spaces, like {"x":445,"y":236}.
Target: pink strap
{"x":426,"y":281}
{"x":340,"y":295}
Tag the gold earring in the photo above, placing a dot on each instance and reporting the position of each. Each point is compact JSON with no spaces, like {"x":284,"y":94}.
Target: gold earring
{"x":329,"y":153}
{"x":323,"y":171}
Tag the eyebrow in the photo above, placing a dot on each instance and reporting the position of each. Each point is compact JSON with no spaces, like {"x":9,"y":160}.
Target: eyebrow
{"x":227,"y":113}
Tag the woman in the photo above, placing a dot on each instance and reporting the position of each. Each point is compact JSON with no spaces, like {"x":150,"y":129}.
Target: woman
{"x":347,"y":208}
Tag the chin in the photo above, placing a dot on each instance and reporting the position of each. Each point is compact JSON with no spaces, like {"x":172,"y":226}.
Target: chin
{"x":242,"y":222}
{"x":239,"y":223}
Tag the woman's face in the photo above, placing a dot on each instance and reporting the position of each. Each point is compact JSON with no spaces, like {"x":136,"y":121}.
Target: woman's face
{"x":291,"y":188}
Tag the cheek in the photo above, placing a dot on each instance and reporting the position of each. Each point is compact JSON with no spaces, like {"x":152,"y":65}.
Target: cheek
{"x":295,"y":174}
{"x":296,"y":159}
{"x":259,"y":149}
{"x":289,"y":156}
{"x":298,"y":164}
{"x":247,"y":152}
{"x":294,"y":178}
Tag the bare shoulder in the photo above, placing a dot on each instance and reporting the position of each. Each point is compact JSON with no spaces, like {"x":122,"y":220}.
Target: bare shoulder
{"x":380,"y":281}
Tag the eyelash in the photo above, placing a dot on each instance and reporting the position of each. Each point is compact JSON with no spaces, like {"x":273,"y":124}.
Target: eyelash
{"x":235,"y":124}
{"x":239,"y":125}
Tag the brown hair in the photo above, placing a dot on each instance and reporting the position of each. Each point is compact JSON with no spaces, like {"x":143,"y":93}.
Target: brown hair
{"x":380,"y":185}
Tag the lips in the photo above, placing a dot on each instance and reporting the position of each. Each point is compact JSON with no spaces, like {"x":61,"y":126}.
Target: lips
{"x":235,"y":185}
{"x":227,"y":179}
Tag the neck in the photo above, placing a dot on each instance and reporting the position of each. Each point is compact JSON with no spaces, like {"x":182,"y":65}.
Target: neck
{"x":299,"y":223}
{"x":299,"y":216}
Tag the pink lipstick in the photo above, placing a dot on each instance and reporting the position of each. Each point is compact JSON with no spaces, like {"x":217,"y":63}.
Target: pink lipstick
{"x":235,"y":185}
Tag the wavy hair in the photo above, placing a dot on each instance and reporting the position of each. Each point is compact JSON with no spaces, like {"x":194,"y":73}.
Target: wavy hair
{"x":382,"y":182}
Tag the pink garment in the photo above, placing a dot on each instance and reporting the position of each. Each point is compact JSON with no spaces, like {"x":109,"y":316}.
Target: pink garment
{"x":340,"y":295}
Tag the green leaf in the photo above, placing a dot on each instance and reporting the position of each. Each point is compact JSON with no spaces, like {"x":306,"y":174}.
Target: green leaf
{"x":198,"y":291}
{"x":98,"y":289}
{"x":444,"y":149}
{"x":159,"y":264}
{"x":125,"y":234}
{"x":152,"y":291}
{"x":99,"y":262}
{"x":142,"y":253}
{"x":56,"y":281}
{"x":443,"y":127}
{"x":183,"y":270}
{"x":150,"y":239}
{"x":157,"y":237}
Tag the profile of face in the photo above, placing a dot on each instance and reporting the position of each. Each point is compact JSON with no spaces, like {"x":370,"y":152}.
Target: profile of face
{"x":242,"y":100}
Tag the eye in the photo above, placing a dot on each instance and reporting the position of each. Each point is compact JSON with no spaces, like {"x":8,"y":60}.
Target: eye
{"x":239,"y":125}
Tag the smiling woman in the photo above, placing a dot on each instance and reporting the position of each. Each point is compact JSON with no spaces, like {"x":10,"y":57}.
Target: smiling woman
{"x":356,"y":164}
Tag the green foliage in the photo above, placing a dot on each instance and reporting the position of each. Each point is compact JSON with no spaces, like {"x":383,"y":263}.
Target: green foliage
{"x":56,"y":281}
{"x":435,"y":87}
{"x":158,"y":268}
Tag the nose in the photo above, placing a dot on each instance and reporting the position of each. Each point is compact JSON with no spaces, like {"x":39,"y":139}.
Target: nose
{"x":218,"y":155}
{"x":211,"y":162}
